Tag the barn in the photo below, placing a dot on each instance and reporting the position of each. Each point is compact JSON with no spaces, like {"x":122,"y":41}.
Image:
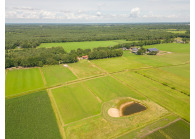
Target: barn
{"x":152,"y":50}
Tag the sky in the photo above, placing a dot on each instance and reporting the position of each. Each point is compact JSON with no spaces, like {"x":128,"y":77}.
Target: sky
{"x":96,"y":11}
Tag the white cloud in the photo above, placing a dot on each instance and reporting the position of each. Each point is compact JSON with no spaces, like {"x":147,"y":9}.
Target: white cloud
{"x":98,"y":13}
{"x":135,"y":12}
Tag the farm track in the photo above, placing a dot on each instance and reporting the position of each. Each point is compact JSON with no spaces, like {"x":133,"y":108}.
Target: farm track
{"x":57,"y":114}
{"x":161,"y":128}
{"x":43,"y":77}
{"x":105,"y":73}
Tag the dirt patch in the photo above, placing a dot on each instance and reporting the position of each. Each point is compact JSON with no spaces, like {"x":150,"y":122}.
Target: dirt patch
{"x":163,"y":53}
{"x":113,"y":112}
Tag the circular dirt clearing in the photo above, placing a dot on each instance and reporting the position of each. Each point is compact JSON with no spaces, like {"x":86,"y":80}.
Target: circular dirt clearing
{"x":113,"y":112}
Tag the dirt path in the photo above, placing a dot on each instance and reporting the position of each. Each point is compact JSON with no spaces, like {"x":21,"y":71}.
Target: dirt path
{"x":57,"y":114}
{"x":73,"y":72}
{"x":150,"y":132}
{"x":43,"y":77}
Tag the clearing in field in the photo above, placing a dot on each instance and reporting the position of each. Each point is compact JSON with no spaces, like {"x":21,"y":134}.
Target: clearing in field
{"x":68,"y":46}
{"x":171,"y":99}
{"x":84,"y":68}
{"x":57,"y":74}
{"x":76,"y":102}
{"x":108,"y":88}
{"x":18,"y":81}
{"x":30,"y":116}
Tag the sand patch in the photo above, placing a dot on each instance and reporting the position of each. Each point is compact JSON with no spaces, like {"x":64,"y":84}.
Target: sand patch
{"x":113,"y":112}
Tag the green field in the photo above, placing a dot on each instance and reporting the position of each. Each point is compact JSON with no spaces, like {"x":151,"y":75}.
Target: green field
{"x":171,"y":99}
{"x":18,"y":81}
{"x":107,"y":88}
{"x":179,"y":55}
{"x":30,"y":116}
{"x":173,"y":80}
{"x":68,"y":46}
{"x":177,"y":130}
{"x":84,"y":68}
{"x":76,"y":102}
{"x":57,"y":74}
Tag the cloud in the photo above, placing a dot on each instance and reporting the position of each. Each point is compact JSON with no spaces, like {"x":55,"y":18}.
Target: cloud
{"x":98,"y":13}
{"x":135,"y":12}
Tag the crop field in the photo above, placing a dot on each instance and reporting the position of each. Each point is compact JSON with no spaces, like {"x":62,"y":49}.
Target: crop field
{"x":30,"y":116}
{"x":84,"y":68}
{"x":179,"y":129}
{"x":169,"y":98}
{"x":18,"y":81}
{"x":76,"y":102}
{"x":68,"y":46}
{"x":57,"y":74}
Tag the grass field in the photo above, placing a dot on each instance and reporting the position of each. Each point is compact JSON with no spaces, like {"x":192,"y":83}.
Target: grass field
{"x":173,"y":80}
{"x":171,"y":99}
{"x":30,"y":116}
{"x":84,"y":68}
{"x":57,"y":74}
{"x":18,"y":81}
{"x":177,"y":130}
{"x":107,"y":88}
{"x":76,"y":102}
{"x":68,"y":46}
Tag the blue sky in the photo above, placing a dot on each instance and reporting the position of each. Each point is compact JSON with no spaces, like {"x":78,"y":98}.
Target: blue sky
{"x":96,"y":11}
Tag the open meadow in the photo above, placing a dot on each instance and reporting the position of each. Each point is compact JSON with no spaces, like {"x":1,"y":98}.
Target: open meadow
{"x":68,"y":46}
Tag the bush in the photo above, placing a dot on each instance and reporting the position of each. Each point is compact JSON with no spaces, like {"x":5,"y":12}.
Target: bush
{"x":152,"y":53}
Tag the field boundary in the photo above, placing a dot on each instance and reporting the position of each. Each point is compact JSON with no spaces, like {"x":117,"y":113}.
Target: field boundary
{"x":43,"y":77}
{"x":73,"y":72}
{"x":57,"y":114}
{"x":156,"y":129}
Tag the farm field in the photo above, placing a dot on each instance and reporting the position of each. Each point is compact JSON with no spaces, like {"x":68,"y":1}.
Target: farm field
{"x":76,"y":102}
{"x":173,"y":80}
{"x":19,"y":81}
{"x":68,"y":46}
{"x":57,"y":74}
{"x":84,"y":68}
{"x":179,"y":55}
{"x":107,"y":88}
{"x":171,"y":99}
{"x":177,"y":130}
{"x":30,"y":116}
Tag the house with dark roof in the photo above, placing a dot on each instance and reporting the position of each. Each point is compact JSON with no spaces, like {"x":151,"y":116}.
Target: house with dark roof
{"x":152,"y":50}
{"x":134,"y":50}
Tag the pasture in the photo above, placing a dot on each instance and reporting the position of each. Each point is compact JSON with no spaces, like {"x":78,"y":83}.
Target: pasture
{"x":30,"y":116}
{"x":57,"y":74}
{"x":84,"y":68}
{"x":68,"y":46}
{"x":76,"y":102}
{"x":19,"y":81}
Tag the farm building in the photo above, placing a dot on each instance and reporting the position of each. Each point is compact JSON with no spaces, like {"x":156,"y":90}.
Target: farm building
{"x":134,"y":50}
{"x":85,"y":57}
{"x":152,"y":50}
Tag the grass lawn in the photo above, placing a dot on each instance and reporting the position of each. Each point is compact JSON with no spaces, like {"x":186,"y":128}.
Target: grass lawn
{"x":30,"y":116}
{"x":57,"y":74}
{"x":83,"y":68}
{"x":68,"y":46}
{"x":76,"y":102}
{"x":163,"y":95}
{"x":107,"y":88}
{"x":18,"y":81}
{"x":173,"y":80}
